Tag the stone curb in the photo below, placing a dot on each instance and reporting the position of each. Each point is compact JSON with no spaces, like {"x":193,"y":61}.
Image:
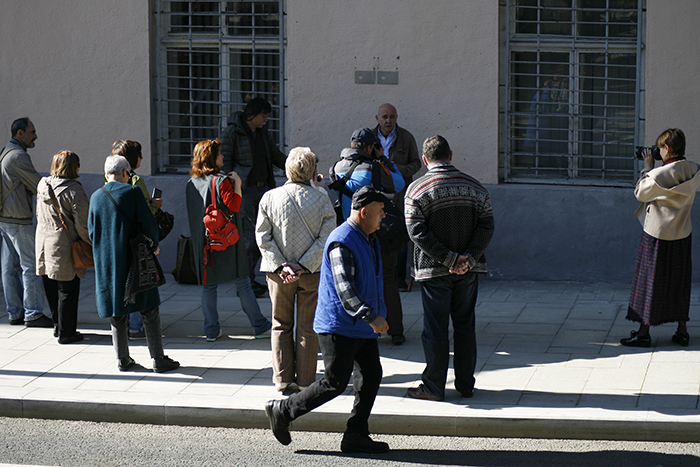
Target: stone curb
{"x":630,"y":429}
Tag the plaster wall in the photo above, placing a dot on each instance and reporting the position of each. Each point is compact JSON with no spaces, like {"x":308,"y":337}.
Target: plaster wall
{"x":446,"y":55}
{"x":672,"y":70}
{"x":80,"y":71}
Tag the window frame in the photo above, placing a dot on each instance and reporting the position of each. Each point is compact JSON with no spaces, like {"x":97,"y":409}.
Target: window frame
{"x":216,"y":40}
{"x":577,"y":47}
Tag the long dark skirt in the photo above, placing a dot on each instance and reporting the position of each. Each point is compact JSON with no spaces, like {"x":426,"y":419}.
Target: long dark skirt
{"x":662,"y":277}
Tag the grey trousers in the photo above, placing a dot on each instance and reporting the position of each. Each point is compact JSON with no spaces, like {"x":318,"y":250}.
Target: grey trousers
{"x":151,"y":326}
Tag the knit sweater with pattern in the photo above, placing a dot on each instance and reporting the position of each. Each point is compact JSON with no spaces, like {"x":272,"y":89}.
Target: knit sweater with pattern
{"x":448,"y":214}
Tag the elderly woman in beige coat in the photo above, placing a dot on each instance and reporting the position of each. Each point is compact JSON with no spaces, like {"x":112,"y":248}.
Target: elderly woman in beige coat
{"x":294,"y":221}
{"x":54,"y":261}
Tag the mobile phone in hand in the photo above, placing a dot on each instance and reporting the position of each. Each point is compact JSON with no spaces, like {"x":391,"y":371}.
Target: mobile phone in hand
{"x":156,"y":193}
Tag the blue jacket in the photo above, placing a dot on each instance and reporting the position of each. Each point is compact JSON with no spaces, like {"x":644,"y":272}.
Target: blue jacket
{"x":379,"y":173}
{"x":331,"y":317}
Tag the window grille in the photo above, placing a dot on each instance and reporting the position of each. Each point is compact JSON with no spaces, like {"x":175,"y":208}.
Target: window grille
{"x":572,"y":91}
{"x":212,"y":58}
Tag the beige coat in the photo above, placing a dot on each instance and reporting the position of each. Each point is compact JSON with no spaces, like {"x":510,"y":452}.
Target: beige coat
{"x":281,"y":233}
{"x":667,"y":194}
{"x":53,"y":249}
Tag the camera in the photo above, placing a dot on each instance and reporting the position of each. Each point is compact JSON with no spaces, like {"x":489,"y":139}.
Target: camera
{"x":656,"y":154}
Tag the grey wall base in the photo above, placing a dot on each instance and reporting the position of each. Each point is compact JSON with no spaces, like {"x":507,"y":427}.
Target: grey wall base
{"x":543,"y":232}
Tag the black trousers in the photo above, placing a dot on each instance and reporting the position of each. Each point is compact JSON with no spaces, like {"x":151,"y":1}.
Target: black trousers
{"x":343,"y":357}
{"x":63,"y":299}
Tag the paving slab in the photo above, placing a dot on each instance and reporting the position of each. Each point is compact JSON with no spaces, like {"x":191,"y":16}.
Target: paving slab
{"x":549,"y":365}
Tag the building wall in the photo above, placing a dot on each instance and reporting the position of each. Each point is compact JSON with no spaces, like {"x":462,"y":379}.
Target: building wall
{"x":672,"y":69}
{"x":80,"y":71}
{"x":446,"y":55}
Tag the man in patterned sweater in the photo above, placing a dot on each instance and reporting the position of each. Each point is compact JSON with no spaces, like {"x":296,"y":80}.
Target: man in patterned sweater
{"x":450,"y":220}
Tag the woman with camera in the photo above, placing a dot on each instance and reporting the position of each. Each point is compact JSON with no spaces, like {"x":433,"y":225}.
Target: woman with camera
{"x":662,"y":277}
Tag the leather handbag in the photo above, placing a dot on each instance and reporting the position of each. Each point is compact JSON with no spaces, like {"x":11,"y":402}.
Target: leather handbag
{"x":165,"y":222}
{"x":81,"y":250}
{"x":144,"y":272}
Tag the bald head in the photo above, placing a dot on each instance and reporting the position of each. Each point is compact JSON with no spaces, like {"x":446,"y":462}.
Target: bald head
{"x":386,"y":118}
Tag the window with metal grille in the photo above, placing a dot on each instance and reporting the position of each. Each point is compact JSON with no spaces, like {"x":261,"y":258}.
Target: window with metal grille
{"x":572,"y":90}
{"x":212,"y":58}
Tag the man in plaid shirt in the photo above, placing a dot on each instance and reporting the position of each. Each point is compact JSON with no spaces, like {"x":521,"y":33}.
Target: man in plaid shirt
{"x":350,"y":315}
{"x":450,"y":220}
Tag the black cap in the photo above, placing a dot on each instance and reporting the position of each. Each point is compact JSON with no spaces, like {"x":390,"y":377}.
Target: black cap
{"x":367,"y":195}
{"x":365,"y":137}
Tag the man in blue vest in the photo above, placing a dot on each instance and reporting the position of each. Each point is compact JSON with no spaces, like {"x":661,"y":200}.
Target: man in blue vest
{"x":350,"y":315}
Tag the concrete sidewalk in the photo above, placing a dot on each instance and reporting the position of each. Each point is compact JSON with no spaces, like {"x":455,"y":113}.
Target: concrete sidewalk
{"x":550,"y":366}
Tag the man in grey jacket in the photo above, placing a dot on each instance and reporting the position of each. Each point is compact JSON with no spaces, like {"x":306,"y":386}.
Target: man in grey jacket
{"x":23,"y":290}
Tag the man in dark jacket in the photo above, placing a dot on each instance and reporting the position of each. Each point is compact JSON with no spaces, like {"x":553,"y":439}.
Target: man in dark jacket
{"x":349,"y":317}
{"x":250,"y":151}
{"x":401,"y":149}
{"x":23,"y":290}
{"x":450,"y":220}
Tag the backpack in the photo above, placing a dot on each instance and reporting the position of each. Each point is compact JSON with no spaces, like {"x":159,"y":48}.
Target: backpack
{"x":5,"y":151}
{"x":220,"y":231}
{"x":185,"y":271}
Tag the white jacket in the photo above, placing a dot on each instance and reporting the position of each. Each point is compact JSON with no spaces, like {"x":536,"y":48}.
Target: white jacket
{"x":280,"y":231}
{"x":667,"y":194}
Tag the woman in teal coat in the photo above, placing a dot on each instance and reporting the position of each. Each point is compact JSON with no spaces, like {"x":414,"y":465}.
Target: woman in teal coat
{"x":110,"y":232}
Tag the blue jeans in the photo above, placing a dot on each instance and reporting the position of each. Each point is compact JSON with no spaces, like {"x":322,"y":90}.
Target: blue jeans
{"x":446,"y":297}
{"x":248,"y":302}
{"x":135,"y":321}
{"x":23,"y":289}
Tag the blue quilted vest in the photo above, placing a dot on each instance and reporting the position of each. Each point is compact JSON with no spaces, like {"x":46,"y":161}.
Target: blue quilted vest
{"x":331,"y":317}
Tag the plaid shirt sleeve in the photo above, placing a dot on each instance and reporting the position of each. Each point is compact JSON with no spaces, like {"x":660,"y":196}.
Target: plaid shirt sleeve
{"x":343,"y":266}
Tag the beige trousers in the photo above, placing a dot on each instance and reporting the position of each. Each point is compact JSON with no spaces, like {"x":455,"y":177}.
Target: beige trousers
{"x":294,"y":342}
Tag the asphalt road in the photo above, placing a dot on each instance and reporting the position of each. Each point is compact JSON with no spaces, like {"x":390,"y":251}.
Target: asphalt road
{"x":71,"y":443}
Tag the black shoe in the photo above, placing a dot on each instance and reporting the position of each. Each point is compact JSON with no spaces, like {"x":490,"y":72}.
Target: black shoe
{"x":126,"y":363}
{"x":398,"y":339}
{"x":55,"y":331}
{"x":403,"y":287}
{"x":278,"y":424}
{"x":17,"y":321}
{"x":77,"y":337}
{"x":419,"y":393}
{"x":355,"y":442}
{"x":467,"y":394}
{"x":164,"y":363}
{"x":42,"y":321}
{"x":681,"y":338}
{"x":258,"y":289}
{"x":635,"y":340}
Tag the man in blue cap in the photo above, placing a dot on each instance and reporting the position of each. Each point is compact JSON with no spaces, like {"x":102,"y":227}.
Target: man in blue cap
{"x":350,"y":315}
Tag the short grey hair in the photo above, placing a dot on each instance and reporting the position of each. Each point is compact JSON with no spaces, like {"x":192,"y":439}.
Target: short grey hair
{"x":116,"y":164}
{"x":300,"y":165}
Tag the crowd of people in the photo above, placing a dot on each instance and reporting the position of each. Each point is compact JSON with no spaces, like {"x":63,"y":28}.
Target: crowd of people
{"x":332,"y":271}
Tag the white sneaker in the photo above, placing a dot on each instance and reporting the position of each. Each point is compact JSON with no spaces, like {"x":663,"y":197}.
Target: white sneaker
{"x":213,"y":339}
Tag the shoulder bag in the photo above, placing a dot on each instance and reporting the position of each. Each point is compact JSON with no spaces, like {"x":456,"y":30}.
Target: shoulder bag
{"x":81,"y":250}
